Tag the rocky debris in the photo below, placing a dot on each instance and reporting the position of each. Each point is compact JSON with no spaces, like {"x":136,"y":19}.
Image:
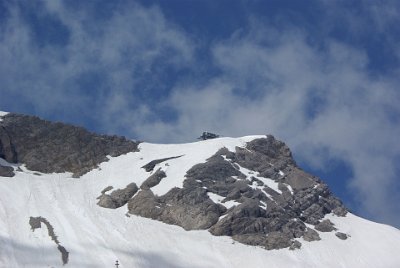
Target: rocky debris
{"x":263,"y":216}
{"x":153,"y":180}
{"x":311,"y":235}
{"x":150,"y":166}
{"x":55,"y":147}
{"x":6,"y":171}
{"x":325,"y":226}
{"x":35,"y":223}
{"x":117,"y":198}
{"x":341,"y":236}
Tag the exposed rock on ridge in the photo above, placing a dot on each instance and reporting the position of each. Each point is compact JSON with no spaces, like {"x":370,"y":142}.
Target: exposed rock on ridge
{"x":55,"y":147}
{"x":273,"y":198}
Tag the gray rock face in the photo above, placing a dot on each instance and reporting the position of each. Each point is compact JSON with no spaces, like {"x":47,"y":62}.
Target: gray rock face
{"x":188,"y":208}
{"x":325,"y":226}
{"x":277,"y":240}
{"x":6,"y":171}
{"x":153,"y":180}
{"x":263,"y":216}
{"x":150,"y":166}
{"x":55,"y":147}
{"x":117,"y":198}
{"x":341,"y":236}
{"x":311,"y":235}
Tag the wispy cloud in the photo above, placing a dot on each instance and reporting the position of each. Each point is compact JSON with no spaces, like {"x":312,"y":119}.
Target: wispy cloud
{"x":102,"y":64}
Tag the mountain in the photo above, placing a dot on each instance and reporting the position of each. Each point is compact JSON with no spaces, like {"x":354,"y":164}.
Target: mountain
{"x":72,"y":198}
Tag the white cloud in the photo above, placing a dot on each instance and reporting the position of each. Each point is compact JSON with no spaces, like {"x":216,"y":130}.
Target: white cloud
{"x":113,"y":54}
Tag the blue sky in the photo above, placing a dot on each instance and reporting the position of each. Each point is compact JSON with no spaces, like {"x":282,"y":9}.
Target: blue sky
{"x":321,"y":75}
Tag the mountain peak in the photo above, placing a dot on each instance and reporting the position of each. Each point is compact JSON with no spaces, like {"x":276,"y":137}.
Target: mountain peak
{"x":86,"y":200}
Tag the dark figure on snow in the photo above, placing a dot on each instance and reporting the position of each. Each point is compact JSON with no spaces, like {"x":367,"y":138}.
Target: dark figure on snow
{"x":207,"y":136}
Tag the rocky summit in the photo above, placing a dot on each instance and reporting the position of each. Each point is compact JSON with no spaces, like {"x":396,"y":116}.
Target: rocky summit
{"x":255,"y":194}
{"x":74,"y":198}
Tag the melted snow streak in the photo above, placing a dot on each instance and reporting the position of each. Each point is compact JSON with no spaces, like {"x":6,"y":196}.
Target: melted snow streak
{"x":97,"y":236}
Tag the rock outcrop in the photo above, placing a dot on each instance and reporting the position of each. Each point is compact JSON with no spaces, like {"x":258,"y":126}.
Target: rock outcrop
{"x":273,"y":198}
{"x":117,"y":198}
{"x":6,"y":171}
{"x":55,"y":147}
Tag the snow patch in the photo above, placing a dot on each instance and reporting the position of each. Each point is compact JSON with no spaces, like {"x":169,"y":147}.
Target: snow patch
{"x":217,"y":199}
{"x":2,"y":114}
{"x":268,"y":182}
{"x":290,"y":188}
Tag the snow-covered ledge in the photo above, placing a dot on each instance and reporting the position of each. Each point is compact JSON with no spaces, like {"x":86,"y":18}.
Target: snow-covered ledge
{"x":2,"y":114}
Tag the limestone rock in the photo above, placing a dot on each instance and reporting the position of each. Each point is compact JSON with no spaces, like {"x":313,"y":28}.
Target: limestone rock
{"x":117,"y":198}
{"x":6,"y":171}
{"x":325,"y":226}
{"x":311,"y":235}
{"x":153,"y":180}
{"x":341,"y":236}
{"x":55,"y":147}
{"x":150,"y":166}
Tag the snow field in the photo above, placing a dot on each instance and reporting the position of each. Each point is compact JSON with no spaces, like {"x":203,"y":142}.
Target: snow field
{"x":96,"y":237}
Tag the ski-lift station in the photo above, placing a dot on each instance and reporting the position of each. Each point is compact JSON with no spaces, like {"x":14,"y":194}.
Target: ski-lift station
{"x":207,"y":136}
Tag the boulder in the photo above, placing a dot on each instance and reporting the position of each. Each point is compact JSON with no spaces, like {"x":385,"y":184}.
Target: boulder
{"x":325,"y":226}
{"x":117,"y":198}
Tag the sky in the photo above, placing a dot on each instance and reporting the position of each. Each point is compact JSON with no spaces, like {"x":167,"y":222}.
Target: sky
{"x":323,"y":76}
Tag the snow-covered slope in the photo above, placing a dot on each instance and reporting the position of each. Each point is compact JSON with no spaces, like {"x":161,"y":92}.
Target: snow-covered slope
{"x":97,"y":237}
{"x":55,"y":219}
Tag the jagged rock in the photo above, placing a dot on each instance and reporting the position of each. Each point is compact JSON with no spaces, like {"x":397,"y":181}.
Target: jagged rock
{"x":325,"y":226}
{"x":339,"y":211}
{"x":7,"y":150}
{"x":341,"y":236}
{"x":150,"y":166}
{"x":311,"y":235}
{"x":6,"y":171}
{"x":216,"y":168}
{"x":108,"y":188}
{"x":277,"y":240}
{"x":271,"y":147}
{"x":299,"y":179}
{"x":55,"y":147}
{"x":294,"y":228}
{"x":250,"y":239}
{"x":145,"y":204}
{"x":154,"y":179}
{"x":295,"y":245}
{"x":117,"y":198}
{"x":190,"y":208}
